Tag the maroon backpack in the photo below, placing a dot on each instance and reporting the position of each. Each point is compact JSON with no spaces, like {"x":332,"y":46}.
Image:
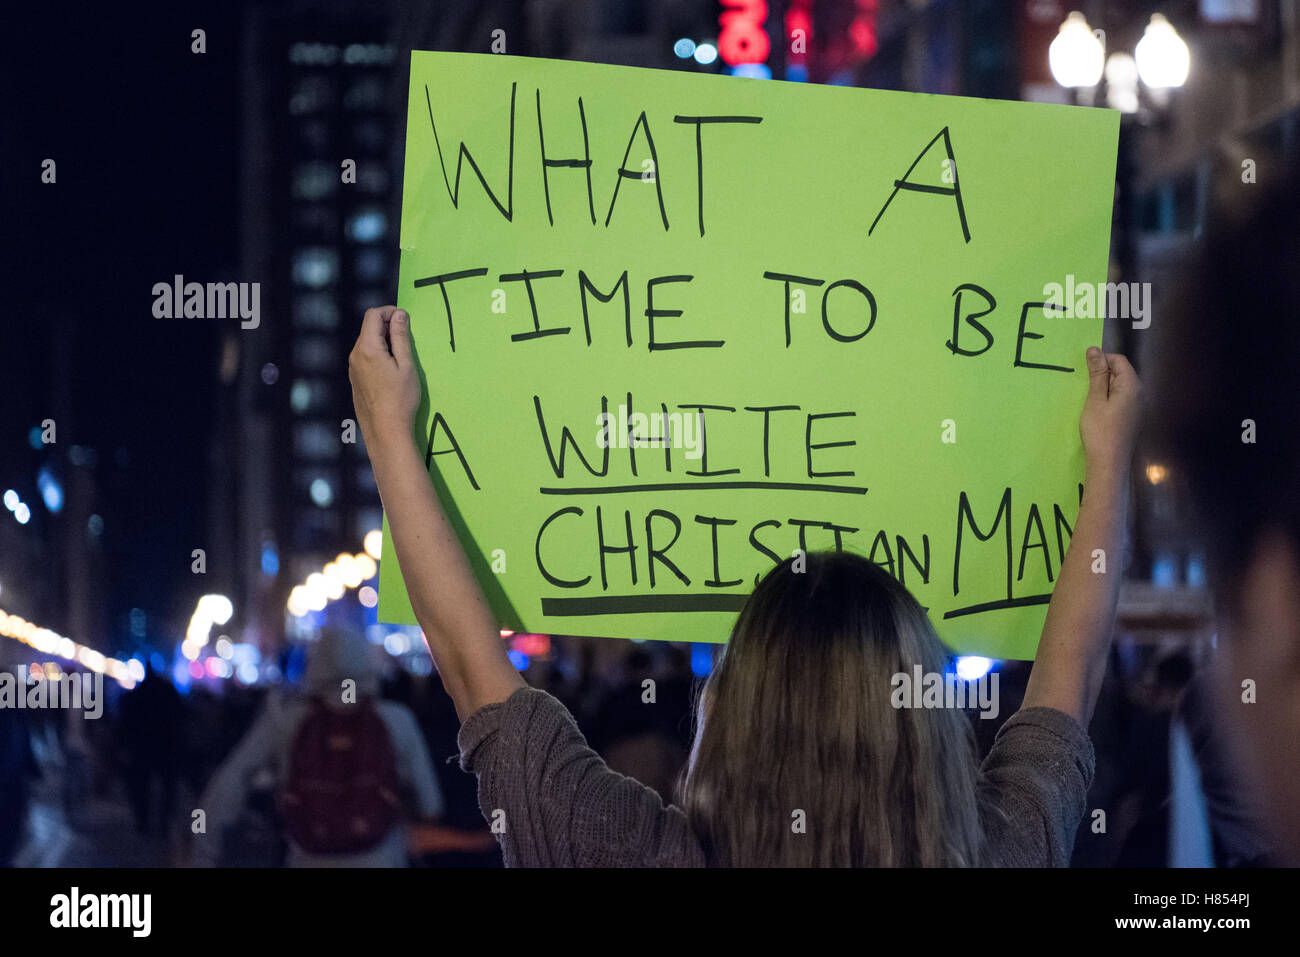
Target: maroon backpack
{"x":341,"y":792}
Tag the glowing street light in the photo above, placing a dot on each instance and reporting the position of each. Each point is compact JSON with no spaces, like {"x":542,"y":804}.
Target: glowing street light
{"x":1163,"y":60}
{"x":1076,"y":56}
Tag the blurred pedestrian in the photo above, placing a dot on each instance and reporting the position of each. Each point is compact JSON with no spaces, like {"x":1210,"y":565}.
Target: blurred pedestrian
{"x":151,"y":721}
{"x":17,"y":767}
{"x":1229,"y":397}
{"x":349,"y":768}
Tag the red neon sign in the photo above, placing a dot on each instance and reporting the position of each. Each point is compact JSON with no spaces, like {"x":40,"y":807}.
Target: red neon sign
{"x":743,"y":38}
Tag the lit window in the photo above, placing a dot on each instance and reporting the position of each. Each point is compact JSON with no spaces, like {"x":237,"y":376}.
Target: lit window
{"x":367,"y":225}
{"x":322,"y":493}
{"x":315,"y":267}
{"x":314,"y":180}
{"x":308,"y":395}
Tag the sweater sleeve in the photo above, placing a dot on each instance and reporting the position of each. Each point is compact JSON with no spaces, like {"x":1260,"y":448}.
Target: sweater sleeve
{"x":553,"y":802}
{"x":1033,"y":787}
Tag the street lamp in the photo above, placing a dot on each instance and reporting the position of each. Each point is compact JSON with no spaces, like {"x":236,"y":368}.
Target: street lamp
{"x":1161,"y":62}
{"x":1076,"y":54}
{"x":1162,"y":56}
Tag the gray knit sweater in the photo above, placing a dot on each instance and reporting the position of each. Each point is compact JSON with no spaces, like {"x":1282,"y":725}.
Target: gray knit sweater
{"x":562,"y":806}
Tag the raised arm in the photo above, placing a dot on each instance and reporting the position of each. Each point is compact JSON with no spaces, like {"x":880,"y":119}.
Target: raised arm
{"x":1077,"y":633}
{"x":462,"y":634}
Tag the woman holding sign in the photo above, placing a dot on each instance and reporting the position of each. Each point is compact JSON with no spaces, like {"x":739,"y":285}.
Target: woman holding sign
{"x":802,"y":754}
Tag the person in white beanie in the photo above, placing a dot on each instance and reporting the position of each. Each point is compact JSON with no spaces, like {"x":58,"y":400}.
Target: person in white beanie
{"x":342,"y":761}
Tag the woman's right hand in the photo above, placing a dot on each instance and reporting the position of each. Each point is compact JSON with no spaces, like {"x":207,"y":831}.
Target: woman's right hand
{"x":385,"y":380}
{"x":1108,"y":424}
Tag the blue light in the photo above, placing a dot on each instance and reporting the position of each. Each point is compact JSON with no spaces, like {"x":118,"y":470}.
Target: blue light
{"x":51,"y":490}
{"x":34,"y":438}
{"x":684,"y":48}
{"x":368,"y":226}
{"x":973,"y":667}
{"x":755,"y":71}
{"x":796,"y":73}
{"x":322,"y":493}
{"x":705,"y":54}
{"x":1164,"y":571}
{"x":701,"y":659}
{"x":270,"y":560}
{"x":518,"y":659}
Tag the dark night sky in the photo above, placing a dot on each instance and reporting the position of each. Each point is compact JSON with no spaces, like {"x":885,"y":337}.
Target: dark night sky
{"x":146,"y":138}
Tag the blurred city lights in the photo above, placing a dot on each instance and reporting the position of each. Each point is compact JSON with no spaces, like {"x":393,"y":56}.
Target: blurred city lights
{"x":684,"y":48}
{"x":973,"y":667}
{"x":50,"y":489}
{"x":52,"y":643}
{"x":1076,"y":55}
{"x":11,"y":499}
{"x":345,"y":572}
{"x":216,"y":607}
{"x":322,"y":493}
{"x":704,"y":54}
{"x":1163,"y":60}
{"x":368,"y":567}
{"x":1121,"y":83}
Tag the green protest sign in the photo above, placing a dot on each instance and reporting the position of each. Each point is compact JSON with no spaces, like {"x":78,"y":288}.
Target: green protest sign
{"x":675,"y":327}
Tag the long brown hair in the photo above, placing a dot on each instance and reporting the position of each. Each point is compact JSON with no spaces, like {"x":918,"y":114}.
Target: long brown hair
{"x":801,"y":760}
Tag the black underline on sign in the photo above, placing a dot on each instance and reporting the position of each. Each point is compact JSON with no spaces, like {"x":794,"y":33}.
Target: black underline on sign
{"x":694,"y":486}
{"x":635,"y":604}
{"x":997,"y":605}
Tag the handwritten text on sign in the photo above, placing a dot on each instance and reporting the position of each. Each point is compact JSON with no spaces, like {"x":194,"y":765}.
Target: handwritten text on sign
{"x":674,"y":327}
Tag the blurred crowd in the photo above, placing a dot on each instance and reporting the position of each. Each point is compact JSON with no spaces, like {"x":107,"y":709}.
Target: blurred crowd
{"x":125,"y":789}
